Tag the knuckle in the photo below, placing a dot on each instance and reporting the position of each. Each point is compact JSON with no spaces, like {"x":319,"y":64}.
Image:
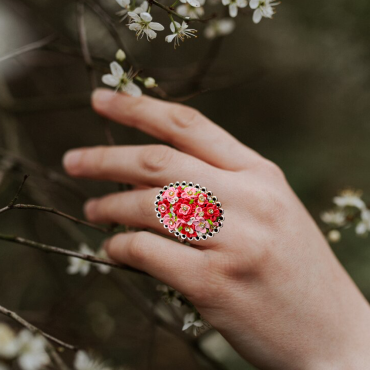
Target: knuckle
{"x":101,"y":156}
{"x":272,"y":169}
{"x":185,"y":117}
{"x":155,"y":158}
{"x":136,"y":248}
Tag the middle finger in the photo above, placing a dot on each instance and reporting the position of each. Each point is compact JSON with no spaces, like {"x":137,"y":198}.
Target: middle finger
{"x":152,"y":165}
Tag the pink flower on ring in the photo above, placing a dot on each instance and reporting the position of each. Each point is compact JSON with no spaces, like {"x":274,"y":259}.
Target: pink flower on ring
{"x":184,"y":209}
{"x":199,"y":212}
{"x":201,"y":225}
{"x":202,"y":198}
{"x":189,"y":193}
{"x":170,"y":194}
{"x":170,"y":222}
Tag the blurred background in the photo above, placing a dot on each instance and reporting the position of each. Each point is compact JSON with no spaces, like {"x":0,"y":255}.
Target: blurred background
{"x":295,"y":88}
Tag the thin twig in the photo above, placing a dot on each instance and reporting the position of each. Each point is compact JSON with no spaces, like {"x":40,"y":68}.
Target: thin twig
{"x":65,"y":252}
{"x":11,"y":204}
{"x":35,"y":330}
{"x":33,"y":46}
{"x":56,"y":212}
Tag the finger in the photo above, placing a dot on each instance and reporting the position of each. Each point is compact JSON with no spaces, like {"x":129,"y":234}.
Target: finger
{"x":136,"y":208}
{"x":133,"y":208}
{"x":154,"y":165}
{"x":173,"y":263}
{"x":183,"y":127}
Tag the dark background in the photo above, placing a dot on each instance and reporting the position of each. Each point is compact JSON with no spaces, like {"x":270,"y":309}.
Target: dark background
{"x":295,"y":88}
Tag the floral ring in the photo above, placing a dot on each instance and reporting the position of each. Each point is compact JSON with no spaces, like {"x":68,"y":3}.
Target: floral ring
{"x":189,"y":211}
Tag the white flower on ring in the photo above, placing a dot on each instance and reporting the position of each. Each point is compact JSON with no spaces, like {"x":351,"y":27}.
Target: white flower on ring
{"x":142,"y":24}
{"x":220,"y":27}
{"x":31,"y":351}
{"x":121,"y":81}
{"x":263,"y":9}
{"x":179,"y":33}
{"x":234,"y":5}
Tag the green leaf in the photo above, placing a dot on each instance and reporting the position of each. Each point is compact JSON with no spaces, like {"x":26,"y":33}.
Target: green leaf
{"x":198,"y":192}
{"x":210,"y":222}
{"x":192,"y":201}
{"x":210,"y":201}
{"x":170,"y":214}
{"x":180,"y":228}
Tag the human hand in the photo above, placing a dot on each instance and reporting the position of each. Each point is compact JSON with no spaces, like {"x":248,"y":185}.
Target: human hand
{"x":268,"y":281}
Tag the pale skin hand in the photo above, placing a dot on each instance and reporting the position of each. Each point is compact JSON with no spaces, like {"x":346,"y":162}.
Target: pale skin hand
{"x":268,"y":281}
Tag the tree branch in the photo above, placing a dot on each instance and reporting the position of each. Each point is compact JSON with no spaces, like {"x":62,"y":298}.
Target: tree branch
{"x":35,"y":330}
{"x":65,"y":252}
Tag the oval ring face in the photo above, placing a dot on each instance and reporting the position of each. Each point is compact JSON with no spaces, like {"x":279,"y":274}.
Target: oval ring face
{"x":189,"y":211}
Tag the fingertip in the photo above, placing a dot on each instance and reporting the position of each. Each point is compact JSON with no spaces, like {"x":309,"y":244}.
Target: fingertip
{"x":101,"y":98}
{"x":71,"y":160}
{"x":90,"y":208}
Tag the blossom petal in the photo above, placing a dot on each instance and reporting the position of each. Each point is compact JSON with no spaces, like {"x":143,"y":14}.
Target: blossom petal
{"x":156,"y":26}
{"x":116,"y":69}
{"x":241,"y":3}
{"x":183,"y":11}
{"x":233,"y":10}
{"x":194,"y":3}
{"x":146,"y":17}
{"x":132,"y":89}
{"x":257,"y":16}
{"x":134,"y":16}
{"x":226,"y":2}
{"x":254,"y":4}
{"x":151,"y":34}
{"x":170,"y":38}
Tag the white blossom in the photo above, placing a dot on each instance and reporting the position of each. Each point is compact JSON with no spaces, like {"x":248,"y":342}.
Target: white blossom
{"x":263,"y":9}
{"x":220,"y":27}
{"x":142,"y":24}
{"x":149,"y":83}
{"x":125,"y":4}
{"x":334,"y":217}
{"x":350,"y":198}
{"x":179,"y":33}
{"x":31,"y":351}
{"x":193,"y":3}
{"x":8,"y":342}
{"x":234,"y":5}
{"x":363,"y":227}
{"x":191,"y":320}
{"x":85,"y":362}
{"x":121,"y":80}
{"x":103,"y":269}
{"x":120,"y":55}
{"x":187,"y":10}
{"x":170,"y":295}
{"x":334,"y":236}
{"x":80,"y":266}
{"x":142,"y":8}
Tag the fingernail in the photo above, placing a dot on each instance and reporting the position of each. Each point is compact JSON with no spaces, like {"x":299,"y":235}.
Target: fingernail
{"x":72,"y":158}
{"x":101,"y":97}
{"x":89,"y":207}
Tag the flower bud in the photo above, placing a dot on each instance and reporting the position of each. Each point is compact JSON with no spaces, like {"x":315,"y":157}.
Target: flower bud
{"x":120,"y":55}
{"x":334,"y":236}
{"x":150,"y":83}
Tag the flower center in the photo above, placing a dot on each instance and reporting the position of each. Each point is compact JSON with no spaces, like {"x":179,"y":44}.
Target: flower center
{"x":210,"y":211}
{"x":171,"y":193}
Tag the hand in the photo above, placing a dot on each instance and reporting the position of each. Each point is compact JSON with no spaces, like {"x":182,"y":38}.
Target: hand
{"x":268,"y":281}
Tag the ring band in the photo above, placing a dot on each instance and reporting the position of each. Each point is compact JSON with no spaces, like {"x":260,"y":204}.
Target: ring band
{"x":189,"y":211}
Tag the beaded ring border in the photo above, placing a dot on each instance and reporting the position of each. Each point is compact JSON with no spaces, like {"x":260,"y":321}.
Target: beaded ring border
{"x":189,"y":222}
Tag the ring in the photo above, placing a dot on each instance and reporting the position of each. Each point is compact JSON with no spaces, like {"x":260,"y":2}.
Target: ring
{"x":189,"y":211}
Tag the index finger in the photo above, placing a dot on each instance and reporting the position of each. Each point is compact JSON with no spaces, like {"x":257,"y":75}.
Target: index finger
{"x":183,"y":127}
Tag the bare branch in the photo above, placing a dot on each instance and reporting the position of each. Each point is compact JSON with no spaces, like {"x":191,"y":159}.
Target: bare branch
{"x":65,"y":252}
{"x":35,"y":330}
{"x":33,"y":46}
